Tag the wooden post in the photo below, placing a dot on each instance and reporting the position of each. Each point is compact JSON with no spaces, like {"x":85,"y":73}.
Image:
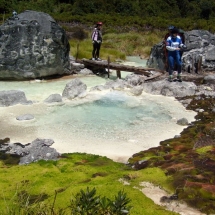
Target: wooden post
{"x":77,"y":52}
{"x":200,"y":65}
{"x":193,"y":64}
{"x":108,"y":67}
{"x":118,"y":73}
{"x":3,"y":17}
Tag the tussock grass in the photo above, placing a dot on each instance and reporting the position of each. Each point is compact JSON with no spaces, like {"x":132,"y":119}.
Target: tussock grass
{"x":72,"y":173}
{"x":118,"y":46}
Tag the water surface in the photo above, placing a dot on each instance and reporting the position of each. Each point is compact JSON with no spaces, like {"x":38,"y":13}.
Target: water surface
{"x":110,"y":123}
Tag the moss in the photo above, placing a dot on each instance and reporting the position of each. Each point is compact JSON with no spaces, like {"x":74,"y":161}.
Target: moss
{"x":204,"y":150}
{"x":8,"y":159}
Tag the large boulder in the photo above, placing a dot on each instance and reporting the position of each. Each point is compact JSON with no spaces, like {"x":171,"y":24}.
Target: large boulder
{"x":33,"y":45}
{"x":200,"y":52}
{"x":75,"y":88}
{"x":37,"y":150}
{"x":13,"y":97}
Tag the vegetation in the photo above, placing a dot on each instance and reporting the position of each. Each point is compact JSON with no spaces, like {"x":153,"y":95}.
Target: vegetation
{"x":128,"y":14}
{"x":116,"y":45}
{"x":190,"y":159}
{"x":58,"y":187}
{"x":45,"y":187}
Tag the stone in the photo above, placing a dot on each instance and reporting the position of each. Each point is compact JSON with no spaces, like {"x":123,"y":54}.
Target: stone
{"x":186,"y":102}
{"x":137,"y":90}
{"x":176,"y":89}
{"x":134,"y":79}
{"x":182,"y":121}
{"x":33,"y":46}
{"x":76,"y":67}
{"x":86,"y":71}
{"x":74,"y":88}
{"x":118,"y":84}
{"x":53,"y":98}
{"x":13,"y":97}
{"x":38,"y":149}
{"x":209,"y":79}
{"x":25,"y":117}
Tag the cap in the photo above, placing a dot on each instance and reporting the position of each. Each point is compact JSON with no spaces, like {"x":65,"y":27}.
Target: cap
{"x":99,"y":23}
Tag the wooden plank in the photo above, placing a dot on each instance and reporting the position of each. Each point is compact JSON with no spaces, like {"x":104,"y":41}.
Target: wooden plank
{"x":120,"y":67}
{"x":151,"y":73}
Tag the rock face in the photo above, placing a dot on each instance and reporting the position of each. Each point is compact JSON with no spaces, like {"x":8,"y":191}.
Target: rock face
{"x":200,"y":52}
{"x":33,"y":46}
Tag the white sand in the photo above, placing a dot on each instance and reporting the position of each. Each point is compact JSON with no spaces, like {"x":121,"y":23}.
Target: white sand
{"x":155,"y":193}
{"x":117,"y":148}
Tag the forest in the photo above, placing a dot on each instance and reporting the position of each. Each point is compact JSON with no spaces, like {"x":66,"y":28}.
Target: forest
{"x":140,"y":14}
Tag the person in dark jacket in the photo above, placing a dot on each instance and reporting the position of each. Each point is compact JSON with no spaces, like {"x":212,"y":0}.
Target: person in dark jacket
{"x":97,"y":41}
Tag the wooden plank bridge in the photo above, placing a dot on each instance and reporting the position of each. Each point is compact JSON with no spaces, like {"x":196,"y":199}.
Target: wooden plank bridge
{"x":150,"y":73}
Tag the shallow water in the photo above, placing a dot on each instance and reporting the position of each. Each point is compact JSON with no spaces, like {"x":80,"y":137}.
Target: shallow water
{"x":109,"y":123}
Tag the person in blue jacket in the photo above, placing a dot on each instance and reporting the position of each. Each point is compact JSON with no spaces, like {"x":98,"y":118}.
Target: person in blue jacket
{"x":174,"y":45}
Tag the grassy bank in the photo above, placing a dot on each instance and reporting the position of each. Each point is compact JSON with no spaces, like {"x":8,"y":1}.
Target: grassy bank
{"x":116,"y":45}
{"x":34,"y":186}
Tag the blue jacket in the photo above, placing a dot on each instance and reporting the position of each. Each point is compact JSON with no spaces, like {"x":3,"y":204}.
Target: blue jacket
{"x":172,"y":43}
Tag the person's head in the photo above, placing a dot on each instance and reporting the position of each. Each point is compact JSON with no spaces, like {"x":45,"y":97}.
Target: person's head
{"x":174,"y":32}
{"x":99,"y":24}
{"x":170,"y":28}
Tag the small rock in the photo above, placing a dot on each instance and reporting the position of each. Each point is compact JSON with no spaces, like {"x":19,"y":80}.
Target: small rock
{"x":182,"y":121}
{"x":25,"y":117}
{"x":53,"y":98}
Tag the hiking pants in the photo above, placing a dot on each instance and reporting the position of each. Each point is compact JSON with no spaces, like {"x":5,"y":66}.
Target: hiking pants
{"x":96,"y":49}
{"x":174,"y":58}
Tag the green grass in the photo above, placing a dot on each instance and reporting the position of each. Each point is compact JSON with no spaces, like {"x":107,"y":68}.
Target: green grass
{"x":74,"y":172}
{"x":118,"y":46}
{"x":85,"y":47}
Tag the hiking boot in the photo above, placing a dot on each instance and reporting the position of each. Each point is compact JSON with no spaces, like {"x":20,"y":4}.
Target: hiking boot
{"x":170,"y":79}
{"x":99,"y":59}
{"x":93,"y":58}
{"x":179,"y":79}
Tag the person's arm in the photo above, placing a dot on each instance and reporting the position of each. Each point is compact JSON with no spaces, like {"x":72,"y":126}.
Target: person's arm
{"x":93,"y":35}
{"x":169,"y":46}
